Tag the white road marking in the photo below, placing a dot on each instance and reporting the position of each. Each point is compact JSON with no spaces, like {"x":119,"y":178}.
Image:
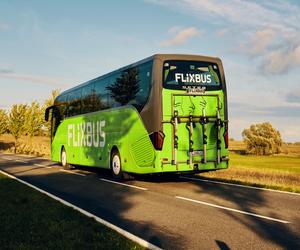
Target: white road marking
{"x":71,"y":172}
{"x":5,"y":158}
{"x":239,"y":185}
{"x":233,"y":210}
{"x":21,"y":161}
{"x":39,"y":165}
{"x":121,"y":231}
{"x":123,"y":184}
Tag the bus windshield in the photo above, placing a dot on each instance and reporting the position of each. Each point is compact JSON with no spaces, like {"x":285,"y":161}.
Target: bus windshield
{"x":177,"y":74}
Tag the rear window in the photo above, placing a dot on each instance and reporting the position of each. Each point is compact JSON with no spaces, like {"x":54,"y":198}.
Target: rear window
{"x":178,"y":74}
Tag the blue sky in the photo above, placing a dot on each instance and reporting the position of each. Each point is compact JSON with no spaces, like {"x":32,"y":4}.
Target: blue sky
{"x":58,"y":44}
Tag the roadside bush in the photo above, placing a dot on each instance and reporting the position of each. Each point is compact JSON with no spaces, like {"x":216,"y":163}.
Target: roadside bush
{"x":16,"y":121}
{"x":262,"y":139}
{"x":3,"y":122}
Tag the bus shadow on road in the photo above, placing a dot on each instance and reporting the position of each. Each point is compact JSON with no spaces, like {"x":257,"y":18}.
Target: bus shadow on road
{"x":278,"y":234}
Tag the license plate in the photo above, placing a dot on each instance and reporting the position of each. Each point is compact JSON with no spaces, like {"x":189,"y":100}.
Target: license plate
{"x":197,"y":153}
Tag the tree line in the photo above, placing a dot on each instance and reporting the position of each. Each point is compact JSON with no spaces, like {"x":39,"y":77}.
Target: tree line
{"x":28,"y":120}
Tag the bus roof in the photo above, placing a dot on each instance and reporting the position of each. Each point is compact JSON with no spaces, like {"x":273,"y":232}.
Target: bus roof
{"x":161,"y":57}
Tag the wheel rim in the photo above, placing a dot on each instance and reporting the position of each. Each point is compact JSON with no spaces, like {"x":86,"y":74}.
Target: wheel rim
{"x":63,"y":158}
{"x":116,"y":164}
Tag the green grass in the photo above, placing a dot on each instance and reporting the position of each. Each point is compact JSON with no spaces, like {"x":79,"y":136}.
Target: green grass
{"x":31,"y":220}
{"x":279,"y":163}
{"x":276,"y":172}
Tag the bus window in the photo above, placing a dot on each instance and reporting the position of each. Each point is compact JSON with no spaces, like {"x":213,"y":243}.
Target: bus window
{"x":86,"y":98}
{"x":178,"y":74}
{"x":101,"y":94}
{"x":145,"y":72}
{"x":74,"y":101}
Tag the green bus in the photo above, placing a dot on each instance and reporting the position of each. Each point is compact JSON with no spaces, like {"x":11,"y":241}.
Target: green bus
{"x":164,"y":114}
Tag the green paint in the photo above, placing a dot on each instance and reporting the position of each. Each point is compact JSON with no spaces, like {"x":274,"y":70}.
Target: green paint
{"x":89,"y":138}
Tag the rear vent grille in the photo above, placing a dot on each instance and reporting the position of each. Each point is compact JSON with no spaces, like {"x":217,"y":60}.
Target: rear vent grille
{"x":143,"y":152}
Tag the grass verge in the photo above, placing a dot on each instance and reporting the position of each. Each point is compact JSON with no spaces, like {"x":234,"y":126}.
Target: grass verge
{"x":31,"y":220}
{"x":275,"y":172}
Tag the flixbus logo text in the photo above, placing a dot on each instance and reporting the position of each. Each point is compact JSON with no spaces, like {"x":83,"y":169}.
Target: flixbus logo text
{"x":86,"y":134}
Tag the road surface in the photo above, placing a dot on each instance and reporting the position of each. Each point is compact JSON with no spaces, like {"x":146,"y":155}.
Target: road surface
{"x":178,"y":213}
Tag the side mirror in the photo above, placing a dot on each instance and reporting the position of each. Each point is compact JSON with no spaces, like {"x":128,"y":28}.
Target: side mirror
{"x":47,"y":111}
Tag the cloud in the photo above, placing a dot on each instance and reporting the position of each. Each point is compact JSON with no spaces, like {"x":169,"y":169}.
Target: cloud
{"x":41,"y":80}
{"x":255,"y":111}
{"x":5,"y":71}
{"x":3,"y":26}
{"x":293,"y":97}
{"x":270,"y":28}
{"x":282,"y":60}
{"x":181,"y":35}
{"x":261,"y":40}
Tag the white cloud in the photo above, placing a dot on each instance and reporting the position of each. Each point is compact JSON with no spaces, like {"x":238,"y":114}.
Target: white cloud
{"x":181,"y":35}
{"x":261,"y":40}
{"x":42,"y":80}
{"x":3,"y":26}
{"x":282,"y":60}
{"x":270,"y":28}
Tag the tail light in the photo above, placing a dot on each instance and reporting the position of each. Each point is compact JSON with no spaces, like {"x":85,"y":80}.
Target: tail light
{"x":226,"y":137}
{"x":157,"y":139}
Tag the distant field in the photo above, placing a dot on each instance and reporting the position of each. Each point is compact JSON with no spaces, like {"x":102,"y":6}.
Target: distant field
{"x":31,"y":220}
{"x":279,"y":172}
{"x":39,"y":145}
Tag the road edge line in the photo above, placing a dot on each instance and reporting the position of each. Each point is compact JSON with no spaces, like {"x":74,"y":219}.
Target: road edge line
{"x":121,"y":231}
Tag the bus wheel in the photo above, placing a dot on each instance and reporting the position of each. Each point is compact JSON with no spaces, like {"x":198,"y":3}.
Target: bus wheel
{"x":115,"y":165}
{"x":63,"y":159}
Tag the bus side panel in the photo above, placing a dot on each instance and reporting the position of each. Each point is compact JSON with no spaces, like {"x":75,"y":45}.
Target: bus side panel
{"x":88,"y":140}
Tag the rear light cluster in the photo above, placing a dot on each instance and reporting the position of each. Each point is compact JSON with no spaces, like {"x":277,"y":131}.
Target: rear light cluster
{"x":157,"y":139}
{"x":226,"y":136}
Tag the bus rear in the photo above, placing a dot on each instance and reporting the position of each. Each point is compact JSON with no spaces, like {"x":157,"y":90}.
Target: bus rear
{"x":193,"y":135}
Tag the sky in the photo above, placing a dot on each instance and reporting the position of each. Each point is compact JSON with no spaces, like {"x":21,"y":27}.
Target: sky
{"x":45,"y":45}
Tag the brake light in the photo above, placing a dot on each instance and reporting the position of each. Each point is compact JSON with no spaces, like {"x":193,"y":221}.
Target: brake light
{"x":226,"y":138}
{"x":157,"y":139}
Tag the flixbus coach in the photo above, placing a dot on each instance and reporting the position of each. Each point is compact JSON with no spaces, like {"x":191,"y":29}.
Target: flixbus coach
{"x":166,"y":113}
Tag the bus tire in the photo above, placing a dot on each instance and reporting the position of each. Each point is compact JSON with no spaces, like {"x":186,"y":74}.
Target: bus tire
{"x":63,"y":159}
{"x":116,"y":165}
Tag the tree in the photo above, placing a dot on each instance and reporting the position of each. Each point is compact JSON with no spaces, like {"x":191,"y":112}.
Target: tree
{"x":49,"y":102}
{"x":3,"y":122}
{"x":34,"y":119}
{"x":262,"y":139}
{"x":125,"y":88}
{"x":16,"y":121}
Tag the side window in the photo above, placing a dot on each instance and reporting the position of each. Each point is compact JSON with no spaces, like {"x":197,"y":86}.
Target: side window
{"x":101,"y":94}
{"x":87,"y":104}
{"x":131,"y":86}
{"x":145,"y":73}
{"x":62,"y":106}
{"x":123,"y":87}
{"x":74,"y":101}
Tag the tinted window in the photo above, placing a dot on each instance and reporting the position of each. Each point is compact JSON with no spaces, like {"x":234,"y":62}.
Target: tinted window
{"x":74,"y":101}
{"x":131,"y":86}
{"x":179,"y":74}
{"x":103,"y":100}
{"x":87,"y":98}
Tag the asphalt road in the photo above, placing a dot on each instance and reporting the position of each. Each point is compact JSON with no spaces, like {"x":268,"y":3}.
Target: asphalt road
{"x":177,"y":213}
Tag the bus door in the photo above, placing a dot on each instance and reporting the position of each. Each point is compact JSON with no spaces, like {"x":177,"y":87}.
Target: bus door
{"x":196,"y":119}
